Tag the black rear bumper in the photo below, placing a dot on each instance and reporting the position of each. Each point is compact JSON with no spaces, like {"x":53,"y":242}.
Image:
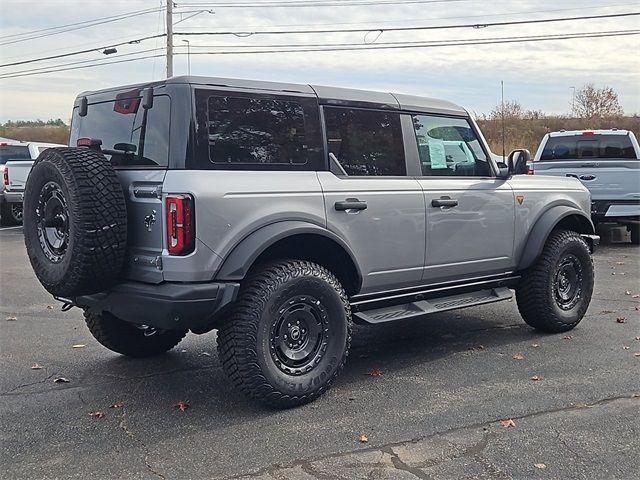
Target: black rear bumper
{"x":168,"y":305}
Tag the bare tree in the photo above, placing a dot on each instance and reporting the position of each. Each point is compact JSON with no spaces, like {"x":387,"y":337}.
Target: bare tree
{"x":592,"y":103}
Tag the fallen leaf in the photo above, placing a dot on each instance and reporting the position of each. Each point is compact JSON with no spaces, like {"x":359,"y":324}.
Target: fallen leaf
{"x":619,"y":263}
{"x":627,"y":292}
{"x":541,"y":466}
{"x":637,"y":338}
{"x":637,"y":308}
{"x":79,"y":345}
{"x":61,"y":380}
{"x":606,"y":311}
{"x":117,"y":405}
{"x":181,"y":405}
{"x":49,"y":307}
{"x":96,"y":414}
{"x":621,"y":320}
{"x":637,"y":354}
{"x":613,"y":273}
{"x":363,"y":438}
{"x":535,"y":378}
{"x":624,"y":347}
{"x":375,"y":372}
{"x":635,"y":296}
{"x":567,"y":337}
{"x":36,"y":366}
{"x":507,"y":423}
{"x":11,"y":319}
{"x":518,"y":356}
{"x":535,"y":345}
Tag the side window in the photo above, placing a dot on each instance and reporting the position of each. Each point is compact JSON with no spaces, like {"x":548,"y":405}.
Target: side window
{"x":365,"y":142}
{"x":255,"y":131}
{"x":449,"y":147}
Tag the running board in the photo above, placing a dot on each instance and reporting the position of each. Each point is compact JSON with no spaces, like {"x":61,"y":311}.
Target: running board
{"x":434,"y":305}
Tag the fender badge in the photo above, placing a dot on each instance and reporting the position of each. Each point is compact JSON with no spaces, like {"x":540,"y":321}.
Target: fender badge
{"x":520,"y":199}
{"x":149,"y":220}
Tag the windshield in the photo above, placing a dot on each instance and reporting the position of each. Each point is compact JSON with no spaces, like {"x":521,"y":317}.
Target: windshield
{"x":130,"y":134}
{"x":14,"y":152}
{"x":591,"y":146}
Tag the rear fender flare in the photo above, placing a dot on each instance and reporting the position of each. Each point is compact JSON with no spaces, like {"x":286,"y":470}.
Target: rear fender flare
{"x":236,"y":265}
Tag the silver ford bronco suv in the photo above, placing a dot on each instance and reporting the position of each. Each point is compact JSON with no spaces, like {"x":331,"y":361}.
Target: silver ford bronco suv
{"x":278,"y":214}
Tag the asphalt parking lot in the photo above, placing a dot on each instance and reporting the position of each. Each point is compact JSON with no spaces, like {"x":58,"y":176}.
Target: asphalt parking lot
{"x":445,"y":382}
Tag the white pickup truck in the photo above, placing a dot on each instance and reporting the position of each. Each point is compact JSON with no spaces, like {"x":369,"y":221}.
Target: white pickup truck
{"x":607,"y":162}
{"x":16,"y":160}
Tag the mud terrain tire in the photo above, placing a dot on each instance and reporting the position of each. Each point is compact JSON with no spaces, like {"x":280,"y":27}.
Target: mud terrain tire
{"x":75,"y":222}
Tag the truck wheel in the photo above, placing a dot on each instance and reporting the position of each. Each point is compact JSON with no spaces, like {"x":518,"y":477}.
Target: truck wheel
{"x":75,"y":221}
{"x":129,"y":339}
{"x":11,"y":214}
{"x":635,"y":234}
{"x":288,"y":335}
{"x":554,"y":294}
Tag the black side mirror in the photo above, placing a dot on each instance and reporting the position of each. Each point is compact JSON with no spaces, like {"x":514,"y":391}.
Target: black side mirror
{"x":147,"y":98}
{"x":503,"y":171}
{"x":518,"y":161}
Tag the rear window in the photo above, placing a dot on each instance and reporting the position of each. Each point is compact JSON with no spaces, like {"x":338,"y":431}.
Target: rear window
{"x":131,"y":135}
{"x":13,"y":152}
{"x":581,"y":147}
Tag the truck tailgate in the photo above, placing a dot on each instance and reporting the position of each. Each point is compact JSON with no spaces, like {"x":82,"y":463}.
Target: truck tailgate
{"x":18,"y":173}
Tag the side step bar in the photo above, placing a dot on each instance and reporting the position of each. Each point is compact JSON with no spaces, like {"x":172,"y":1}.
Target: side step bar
{"x":434,"y":305}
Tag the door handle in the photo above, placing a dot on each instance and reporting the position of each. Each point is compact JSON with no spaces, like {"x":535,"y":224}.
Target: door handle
{"x":444,"y":202}
{"x":350,"y":204}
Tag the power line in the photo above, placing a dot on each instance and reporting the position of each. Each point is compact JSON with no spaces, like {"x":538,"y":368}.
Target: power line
{"x":498,"y":40}
{"x":401,"y":42}
{"x":439,"y":43}
{"x":11,"y":75}
{"x":78,"y":26}
{"x":315,"y":3}
{"x":404,"y":29}
{"x":52,"y":57}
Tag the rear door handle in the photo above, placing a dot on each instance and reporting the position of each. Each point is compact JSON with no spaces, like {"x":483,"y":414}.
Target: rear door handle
{"x":350,"y":204}
{"x":444,"y":202}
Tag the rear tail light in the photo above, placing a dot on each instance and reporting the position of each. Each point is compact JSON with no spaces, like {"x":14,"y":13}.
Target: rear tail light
{"x":529,"y":170}
{"x":5,"y":176}
{"x":588,"y":133}
{"x":180,"y":224}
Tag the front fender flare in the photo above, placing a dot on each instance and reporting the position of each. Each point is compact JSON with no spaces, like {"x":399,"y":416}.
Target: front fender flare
{"x":543,"y":227}
{"x":236,"y":265}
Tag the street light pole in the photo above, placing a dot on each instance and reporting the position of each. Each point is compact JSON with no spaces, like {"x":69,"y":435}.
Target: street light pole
{"x":188,"y":56}
{"x":573,"y":101}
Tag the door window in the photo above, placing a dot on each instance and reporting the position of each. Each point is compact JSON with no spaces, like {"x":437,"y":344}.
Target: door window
{"x":256,"y":131}
{"x":449,"y":147}
{"x":365,"y":142}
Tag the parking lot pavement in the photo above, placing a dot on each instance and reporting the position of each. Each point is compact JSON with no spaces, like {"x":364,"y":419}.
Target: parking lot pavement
{"x":434,"y":412}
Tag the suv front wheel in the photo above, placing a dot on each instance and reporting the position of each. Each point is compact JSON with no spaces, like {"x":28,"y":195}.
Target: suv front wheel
{"x":289,"y":333}
{"x":555,"y":292}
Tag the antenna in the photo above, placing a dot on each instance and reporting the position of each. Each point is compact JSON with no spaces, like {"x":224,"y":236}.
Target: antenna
{"x":504,"y":153}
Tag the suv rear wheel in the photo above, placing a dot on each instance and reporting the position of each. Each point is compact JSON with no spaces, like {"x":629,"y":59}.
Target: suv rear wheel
{"x":128,"y":339}
{"x":554,"y":294}
{"x":289,"y":333}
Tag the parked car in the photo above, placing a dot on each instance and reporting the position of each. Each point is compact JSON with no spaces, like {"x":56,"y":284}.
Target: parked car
{"x":606,"y":162}
{"x":279,"y":213}
{"x":16,"y":159}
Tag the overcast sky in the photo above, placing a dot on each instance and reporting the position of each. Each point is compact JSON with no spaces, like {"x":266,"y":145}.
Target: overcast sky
{"x":539,"y":75}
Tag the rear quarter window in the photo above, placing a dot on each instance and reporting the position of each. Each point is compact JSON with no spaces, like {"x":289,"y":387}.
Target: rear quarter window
{"x":13,"y":152}
{"x":587,"y":147}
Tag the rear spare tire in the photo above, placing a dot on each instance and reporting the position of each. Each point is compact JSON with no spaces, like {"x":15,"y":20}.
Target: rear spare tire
{"x":75,"y":221}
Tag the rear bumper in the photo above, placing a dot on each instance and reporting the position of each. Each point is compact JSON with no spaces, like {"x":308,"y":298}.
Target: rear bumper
{"x":13,"y":197}
{"x":612,"y":209}
{"x":168,"y":305}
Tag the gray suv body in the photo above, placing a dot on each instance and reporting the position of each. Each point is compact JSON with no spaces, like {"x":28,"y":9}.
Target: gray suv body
{"x":279,"y":213}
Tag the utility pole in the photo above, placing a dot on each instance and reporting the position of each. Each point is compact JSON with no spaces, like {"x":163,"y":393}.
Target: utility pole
{"x":504,"y":153}
{"x":573,"y":101}
{"x":169,"y":38}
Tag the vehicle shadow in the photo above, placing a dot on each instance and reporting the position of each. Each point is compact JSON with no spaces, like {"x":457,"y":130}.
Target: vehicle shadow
{"x":193,"y":371}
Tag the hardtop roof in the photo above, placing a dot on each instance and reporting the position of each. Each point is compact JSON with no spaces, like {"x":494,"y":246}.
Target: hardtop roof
{"x":326,"y":95}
